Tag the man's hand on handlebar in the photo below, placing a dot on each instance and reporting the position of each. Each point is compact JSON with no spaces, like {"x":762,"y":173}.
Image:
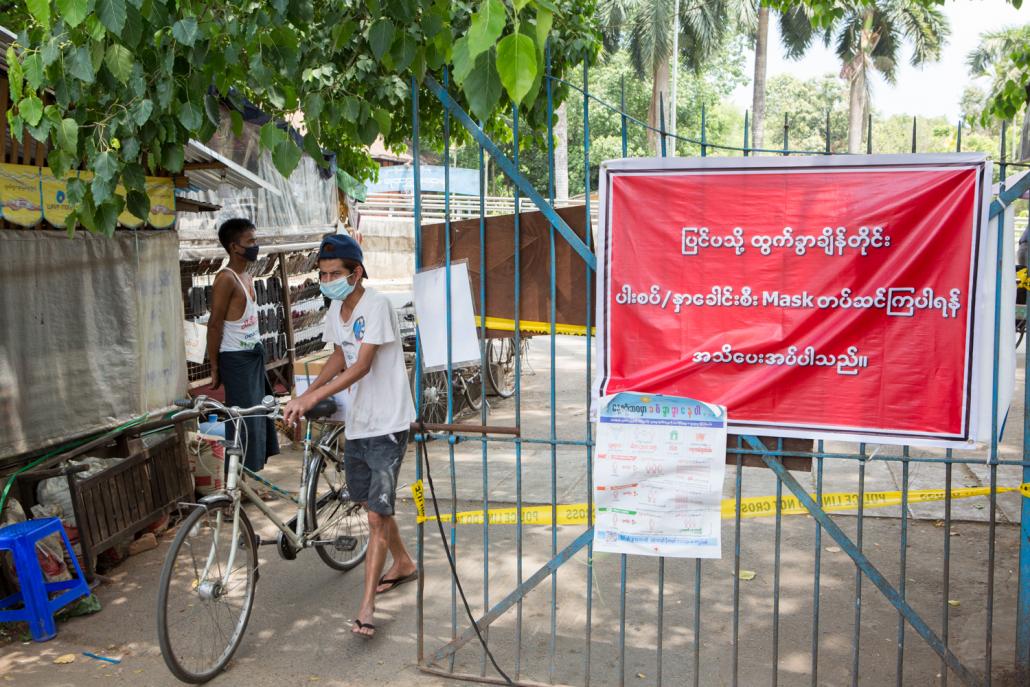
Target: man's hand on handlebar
{"x":297,"y":407}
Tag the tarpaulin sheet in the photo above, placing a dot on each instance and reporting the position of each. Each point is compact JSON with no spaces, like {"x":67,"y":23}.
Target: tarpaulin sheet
{"x":534,"y":258}
{"x":90,"y":332}
{"x":814,"y":297}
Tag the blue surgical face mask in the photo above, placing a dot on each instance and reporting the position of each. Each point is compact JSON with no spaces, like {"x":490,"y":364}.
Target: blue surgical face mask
{"x":250,"y":253}
{"x":337,"y":290}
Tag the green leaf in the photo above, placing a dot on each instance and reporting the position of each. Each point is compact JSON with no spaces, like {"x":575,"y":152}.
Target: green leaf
{"x":314,"y":150}
{"x":133,"y":31}
{"x":237,"y":123}
{"x":544,"y":21}
{"x":172,"y":157}
{"x":517,"y":65}
{"x":59,"y":162}
{"x":34,"y":73}
{"x":130,"y":148}
{"x":68,"y":136}
{"x":107,"y":214}
{"x":138,"y":203}
{"x":17,"y":125}
{"x":119,"y":60}
{"x":212,"y":109}
{"x":142,"y":110}
{"x":519,"y":4}
{"x":368,"y":130}
{"x":31,"y":109}
{"x":101,"y":188}
{"x":313,"y":106}
{"x":463,"y":64}
{"x":72,"y":11}
{"x":286,"y":157}
{"x":133,"y":177}
{"x":80,"y":65}
{"x":272,"y":136}
{"x":351,"y":186}
{"x":190,"y":116}
{"x":382,"y":118}
{"x":41,"y":131}
{"x":404,"y":51}
{"x":112,"y":14}
{"x":50,"y":52}
{"x":105,"y":166}
{"x":483,"y":86}
{"x":380,"y":36}
{"x":547,"y":5}
{"x":185,"y":31}
{"x":15,"y":74}
{"x":486,"y":27}
{"x":40,"y":11}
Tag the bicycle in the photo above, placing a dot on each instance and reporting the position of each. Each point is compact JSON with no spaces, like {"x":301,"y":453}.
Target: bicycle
{"x":206,"y":590}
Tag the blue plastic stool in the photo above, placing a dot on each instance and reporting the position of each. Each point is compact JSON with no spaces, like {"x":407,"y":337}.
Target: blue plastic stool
{"x":20,"y":539}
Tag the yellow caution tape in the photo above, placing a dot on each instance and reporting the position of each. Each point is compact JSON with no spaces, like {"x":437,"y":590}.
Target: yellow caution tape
{"x":750,"y":507}
{"x":533,"y":327}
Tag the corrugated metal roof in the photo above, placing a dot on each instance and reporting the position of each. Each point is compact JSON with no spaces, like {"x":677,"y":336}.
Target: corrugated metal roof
{"x":206,"y":169}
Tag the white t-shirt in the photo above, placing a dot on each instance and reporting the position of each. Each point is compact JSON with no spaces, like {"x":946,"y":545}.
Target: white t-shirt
{"x":380,"y":402}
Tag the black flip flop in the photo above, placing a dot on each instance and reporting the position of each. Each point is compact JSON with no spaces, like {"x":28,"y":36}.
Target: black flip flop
{"x":363,"y":626}
{"x":396,"y":581}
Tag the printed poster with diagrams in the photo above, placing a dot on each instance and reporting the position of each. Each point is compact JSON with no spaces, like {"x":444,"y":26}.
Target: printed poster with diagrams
{"x":658,"y":472}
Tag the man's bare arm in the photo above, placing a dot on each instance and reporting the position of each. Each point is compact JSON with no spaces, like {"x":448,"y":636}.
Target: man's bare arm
{"x":221,"y":294}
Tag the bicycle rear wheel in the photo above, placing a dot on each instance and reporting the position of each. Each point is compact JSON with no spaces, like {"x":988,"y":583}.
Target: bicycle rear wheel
{"x":500,"y":361}
{"x":343,"y":521}
{"x":202,"y":605}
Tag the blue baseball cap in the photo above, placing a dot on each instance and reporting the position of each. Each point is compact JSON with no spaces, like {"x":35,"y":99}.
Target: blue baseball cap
{"x":342,"y":247}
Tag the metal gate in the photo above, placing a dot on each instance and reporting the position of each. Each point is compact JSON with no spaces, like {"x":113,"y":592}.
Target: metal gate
{"x":913,"y":597}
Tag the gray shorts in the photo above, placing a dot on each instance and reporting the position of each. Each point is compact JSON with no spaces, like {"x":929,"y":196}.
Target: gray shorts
{"x":372,"y":466}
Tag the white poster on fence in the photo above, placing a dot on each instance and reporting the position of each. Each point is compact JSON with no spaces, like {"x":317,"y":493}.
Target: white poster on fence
{"x":196,"y":341}
{"x":658,"y":473}
{"x":430,"y":287}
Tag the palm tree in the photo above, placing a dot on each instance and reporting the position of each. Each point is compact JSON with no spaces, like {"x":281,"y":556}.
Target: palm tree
{"x":867,"y":37}
{"x":646,"y":29}
{"x":994,"y":59}
{"x":761,"y":59}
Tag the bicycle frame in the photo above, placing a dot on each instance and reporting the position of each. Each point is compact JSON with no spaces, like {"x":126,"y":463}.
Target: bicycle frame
{"x":239,"y":490}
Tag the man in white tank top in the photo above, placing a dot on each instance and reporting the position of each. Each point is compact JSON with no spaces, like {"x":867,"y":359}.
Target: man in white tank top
{"x":233,"y":340}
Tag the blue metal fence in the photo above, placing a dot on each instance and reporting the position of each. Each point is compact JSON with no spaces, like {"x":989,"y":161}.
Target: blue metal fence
{"x":567,"y":653}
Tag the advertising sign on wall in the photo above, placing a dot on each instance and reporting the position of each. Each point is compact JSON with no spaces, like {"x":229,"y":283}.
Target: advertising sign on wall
{"x":848,"y":297}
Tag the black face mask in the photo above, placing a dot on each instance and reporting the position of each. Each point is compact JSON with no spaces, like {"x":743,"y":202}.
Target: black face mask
{"x":250,"y":253}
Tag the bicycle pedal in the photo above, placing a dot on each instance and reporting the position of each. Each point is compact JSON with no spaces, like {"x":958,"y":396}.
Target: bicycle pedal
{"x":264,"y":542}
{"x":345,"y":543}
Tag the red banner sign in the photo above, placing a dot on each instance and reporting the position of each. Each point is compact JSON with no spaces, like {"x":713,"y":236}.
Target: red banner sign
{"x":811,"y":297}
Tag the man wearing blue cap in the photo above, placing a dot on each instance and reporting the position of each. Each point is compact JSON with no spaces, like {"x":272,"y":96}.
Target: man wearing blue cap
{"x":367,"y":360}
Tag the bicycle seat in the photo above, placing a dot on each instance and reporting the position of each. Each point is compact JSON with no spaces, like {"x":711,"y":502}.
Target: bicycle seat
{"x":322,"y":409}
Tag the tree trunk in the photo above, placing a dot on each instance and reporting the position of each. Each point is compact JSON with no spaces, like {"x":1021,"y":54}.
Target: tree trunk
{"x":561,"y":154}
{"x":1024,"y":143}
{"x":856,"y":110}
{"x":758,"y":99}
{"x":659,"y":87}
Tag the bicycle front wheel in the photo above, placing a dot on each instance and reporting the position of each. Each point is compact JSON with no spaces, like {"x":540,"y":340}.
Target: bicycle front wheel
{"x":341,"y":523}
{"x":500,"y":359}
{"x":203,"y":603}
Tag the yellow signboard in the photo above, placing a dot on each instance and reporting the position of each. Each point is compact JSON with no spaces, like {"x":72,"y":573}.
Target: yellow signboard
{"x":56,"y":207}
{"x":162,"y":202}
{"x":29,"y":194}
{"x":20,"y":194}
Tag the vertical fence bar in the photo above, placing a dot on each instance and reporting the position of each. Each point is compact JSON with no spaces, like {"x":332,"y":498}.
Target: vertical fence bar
{"x":736,"y":566}
{"x":946,"y":581}
{"x":1023,"y":593}
{"x":958,"y":140}
{"x":450,"y":364}
{"x":483,"y":362}
{"x":589,"y":319}
{"x":697,"y":622}
{"x":622,"y":620}
{"x":622,"y":115}
{"x":869,"y":136}
{"x":903,"y":565}
{"x":992,"y":528}
{"x":776,"y":577}
{"x":856,"y":639}
{"x":827,"y":132}
{"x":661,"y":121}
{"x":746,"y":148}
{"x":818,"y":569}
{"x":913,"y":134}
{"x":661,"y":559}
{"x":518,"y":390}
{"x":417,"y":213}
{"x":704,"y":132}
{"x":552,"y":646}
{"x":786,"y":135}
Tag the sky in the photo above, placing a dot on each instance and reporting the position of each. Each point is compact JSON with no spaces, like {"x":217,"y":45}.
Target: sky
{"x":928,"y":91}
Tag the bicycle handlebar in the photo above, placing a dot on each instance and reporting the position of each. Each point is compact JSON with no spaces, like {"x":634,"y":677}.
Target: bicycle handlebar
{"x":202,"y":405}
